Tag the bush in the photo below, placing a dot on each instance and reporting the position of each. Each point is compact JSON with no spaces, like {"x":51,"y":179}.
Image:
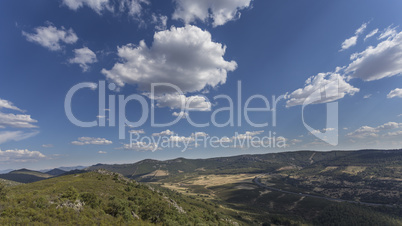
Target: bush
{"x":71,"y":194}
{"x":90,"y":199}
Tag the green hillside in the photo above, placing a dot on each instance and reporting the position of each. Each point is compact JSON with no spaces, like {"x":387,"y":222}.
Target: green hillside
{"x":102,"y":198}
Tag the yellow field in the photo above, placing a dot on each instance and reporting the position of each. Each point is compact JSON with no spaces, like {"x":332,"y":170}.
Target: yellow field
{"x":354,"y":170}
{"x":216,"y":180}
{"x":211,"y":180}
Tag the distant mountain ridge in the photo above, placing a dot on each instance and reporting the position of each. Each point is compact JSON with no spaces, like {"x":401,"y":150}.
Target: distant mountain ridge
{"x":56,"y":172}
{"x":29,"y":176}
{"x":257,"y":163}
{"x":25,"y":176}
{"x":64,"y":168}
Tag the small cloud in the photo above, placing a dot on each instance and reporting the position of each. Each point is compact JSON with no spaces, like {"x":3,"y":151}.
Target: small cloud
{"x":102,"y":152}
{"x":141,"y":131}
{"x":9,"y":105}
{"x":83,"y":57}
{"x":91,"y":140}
{"x":181,"y":114}
{"x":226,"y":10}
{"x":367,"y":96}
{"x":47,"y":145}
{"x":353,"y":40}
{"x":395,"y":93}
{"x":51,"y":37}
{"x":163,"y":133}
{"x":199,"y":134}
{"x":371,"y":34}
{"x":20,"y":155}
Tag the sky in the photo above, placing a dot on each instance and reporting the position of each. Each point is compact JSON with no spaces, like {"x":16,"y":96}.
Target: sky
{"x":118,"y":81}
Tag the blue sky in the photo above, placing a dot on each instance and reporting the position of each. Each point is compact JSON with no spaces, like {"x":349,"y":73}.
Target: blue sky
{"x":352,"y":50}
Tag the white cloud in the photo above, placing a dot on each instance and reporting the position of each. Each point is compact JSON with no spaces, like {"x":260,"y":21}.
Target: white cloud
{"x":102,"y":152}
{"x":199,"y":134}
{"x":384,"y":60}
{"x":397,"y":133}
{"x":329,"y":129}
{"x":175,"y":101}
{"x":316,"y":131}
{"x":353,"y":40}
{"x":186,"y":57}
{"x":349,"y":42}
{"x":371,"y":34}
{"x":361,"y":29}
{"x":51,"y":37}
{"x":181,"y":139}
{"x":20,"y":155}
{"x":181,"y":114}
{"x":395,"y":93}
{"x":8,"y":105}
{"x":142,"y":146}
{"x":390,"y":32}
{"x":16,"y":121}
{"x":91,"y":140}
{"x":83,"y":57}
{"x":163,"y":133}
{"x":6,"y":136}
{"x":368,"y":131}
{"x":333,"y":84}
{"x":224,"y":140}
{"x":367,"y":96}
{"x":219,"y":11}
{"x":141,"y":131}
{"x":132,"y":7}
{"x":47,"y":145}
{"x":389,"y":125}
{"x":247,"y":135}
{"x":295,"y":141}
{"x":96,"y":5}
{"x":21,"y":121}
